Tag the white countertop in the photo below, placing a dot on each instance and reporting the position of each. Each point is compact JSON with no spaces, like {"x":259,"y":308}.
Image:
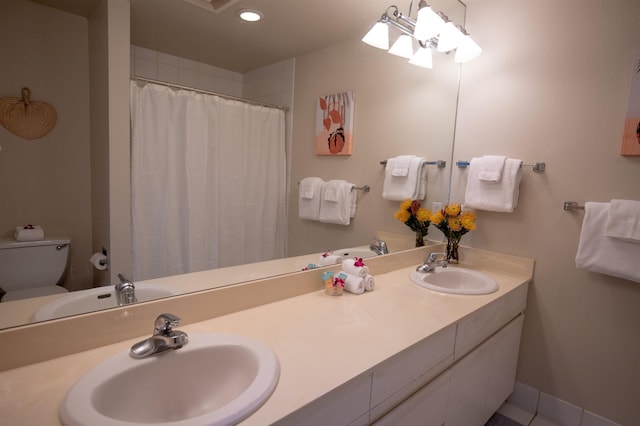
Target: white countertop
{"x":321,"y":342}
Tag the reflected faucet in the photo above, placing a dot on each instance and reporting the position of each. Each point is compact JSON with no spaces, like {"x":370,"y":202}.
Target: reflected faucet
{"x":428,"y":262}
{"x":379,"y":247}
{"x":164,"y":338}
{"x":125,"y":291}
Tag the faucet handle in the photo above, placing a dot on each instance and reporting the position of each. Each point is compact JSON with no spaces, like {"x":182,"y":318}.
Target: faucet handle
{"x":164,"y":323}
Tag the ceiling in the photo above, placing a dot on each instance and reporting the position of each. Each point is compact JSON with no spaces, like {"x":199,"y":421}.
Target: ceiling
{"x":289,"y":28}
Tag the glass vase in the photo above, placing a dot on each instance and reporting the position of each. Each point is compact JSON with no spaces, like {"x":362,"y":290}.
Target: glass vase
{"x":453,"y":244}
{"x":419,"y":239}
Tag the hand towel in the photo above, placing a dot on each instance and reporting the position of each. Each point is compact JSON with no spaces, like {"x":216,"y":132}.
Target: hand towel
{"x":491,"y":167}
{"x":29,"y":233}
{"x":501,"y":196}
{"x":336,"y":202}
{"x":623,"y":220}
{"x":309,"y":198}
{"x":399,"y":188}
{"x":353,"y":283}
{"x":369,"y":282}
{"x":401,"y":165}
{"x":348,"y":265}
{"x":604,"y":255}
{"x":330,"y":259}
{"x":422,"y":182}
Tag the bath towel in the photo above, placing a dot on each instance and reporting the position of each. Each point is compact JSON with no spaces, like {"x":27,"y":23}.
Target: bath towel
{"x":29,"y":233}
{"x":623,"y":220}
{"x":399,"y":188}
{"x":604,"y":255}
{"x":501,"y":196}
{"x":309,"y":193}
{"x":336,"y":202}
{"x":353,"y":283}
{"x":348,"y":265}
{"x":490,"y":167}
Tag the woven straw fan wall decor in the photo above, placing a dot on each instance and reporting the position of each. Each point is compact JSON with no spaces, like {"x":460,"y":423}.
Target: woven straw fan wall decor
{"x":26,"y":118}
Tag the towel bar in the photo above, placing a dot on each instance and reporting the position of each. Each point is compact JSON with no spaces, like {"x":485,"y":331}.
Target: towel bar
{"x":537,"y":167}
{"x":440,"y":163}
{"x":363,"y":188}
{"x":572,"y":206}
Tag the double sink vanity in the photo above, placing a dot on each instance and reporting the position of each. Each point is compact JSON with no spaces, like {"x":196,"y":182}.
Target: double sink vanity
{"x":280,"y":351}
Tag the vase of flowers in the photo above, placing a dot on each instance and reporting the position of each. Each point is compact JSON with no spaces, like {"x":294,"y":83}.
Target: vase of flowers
{"x":454,"y":223}
{"x":416,"y":218}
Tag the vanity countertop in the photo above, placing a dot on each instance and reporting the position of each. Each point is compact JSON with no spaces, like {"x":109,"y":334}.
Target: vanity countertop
{"x":321,"y":341}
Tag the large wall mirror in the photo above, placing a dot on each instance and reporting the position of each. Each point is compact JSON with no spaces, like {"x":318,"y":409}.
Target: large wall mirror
{"x":399,"y":108}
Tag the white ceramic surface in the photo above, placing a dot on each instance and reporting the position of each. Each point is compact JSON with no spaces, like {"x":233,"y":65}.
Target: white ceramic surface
{"x":95,"y":299}
{"x":452,"y":279}
{"x":216,"y":379}
{"x":350,"y":253}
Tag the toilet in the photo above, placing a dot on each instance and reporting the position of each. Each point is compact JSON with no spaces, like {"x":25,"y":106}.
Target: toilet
{"x":32,"y":268}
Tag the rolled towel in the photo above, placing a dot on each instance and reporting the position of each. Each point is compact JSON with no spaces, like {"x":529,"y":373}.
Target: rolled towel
{"x":369,"y":282}
{"x":29,"y":233}
{"x":353,"y":283}
{"x":329,"y":259}
{"x":349,"y":266}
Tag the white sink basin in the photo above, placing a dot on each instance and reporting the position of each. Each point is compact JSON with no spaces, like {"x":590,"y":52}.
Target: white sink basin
{"x":455,"y":280}
{"x":216,"y":379}
{"x":359,"y":252}
{"x":95,"y":299}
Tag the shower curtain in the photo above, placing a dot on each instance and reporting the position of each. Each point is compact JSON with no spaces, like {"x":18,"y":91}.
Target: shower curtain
{"x":208,"y":181}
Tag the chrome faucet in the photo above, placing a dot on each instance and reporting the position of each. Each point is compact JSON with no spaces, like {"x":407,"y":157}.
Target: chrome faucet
{"x":164,"y":338}
{"x":125,"y":291}
{"x":379,"y":247}
{"x":430,"y":260}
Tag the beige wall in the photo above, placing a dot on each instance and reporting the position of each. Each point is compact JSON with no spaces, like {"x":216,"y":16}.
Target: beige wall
{"x":552,"y":85}
{"x":399,"y":109}
{"x":47,"y":181}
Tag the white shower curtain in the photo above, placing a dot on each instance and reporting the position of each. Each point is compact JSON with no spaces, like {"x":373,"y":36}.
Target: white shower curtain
{"x":208,"y":181}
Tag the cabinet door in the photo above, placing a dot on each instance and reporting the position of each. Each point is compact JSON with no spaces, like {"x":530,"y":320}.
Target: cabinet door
{"x":427,"y":407}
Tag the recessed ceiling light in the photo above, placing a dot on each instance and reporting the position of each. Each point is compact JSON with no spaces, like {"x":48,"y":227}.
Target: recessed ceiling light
{"x":249,"y":15}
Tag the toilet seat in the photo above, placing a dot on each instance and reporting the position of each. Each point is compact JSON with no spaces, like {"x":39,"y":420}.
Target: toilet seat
{"x":33,"y":292}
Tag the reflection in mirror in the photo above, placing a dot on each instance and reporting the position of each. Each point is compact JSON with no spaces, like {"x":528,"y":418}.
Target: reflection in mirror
{"x":399,"y":109}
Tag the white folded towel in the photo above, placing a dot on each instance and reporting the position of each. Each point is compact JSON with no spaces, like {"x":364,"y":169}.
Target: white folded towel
{"x":309,"y":192}
{"x":369,"y":282}
{"x":422,"y":182}
{"x":399,"y":188}
{"x":401,"y":165}
{"x":348,"y":265}
{"x":353,"y":283}
{"x":491,"y":167}
{"x":623,"y":220}
{"x":29,"y":233}
{"x":330,"y":259}
{"x":599,"y":253}
{"x":336,"y":202}
{"x":501,"y":196}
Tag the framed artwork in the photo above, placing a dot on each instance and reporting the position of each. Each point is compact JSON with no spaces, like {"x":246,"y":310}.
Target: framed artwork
{"x":631,"y":135}
{"x":334,"y":124}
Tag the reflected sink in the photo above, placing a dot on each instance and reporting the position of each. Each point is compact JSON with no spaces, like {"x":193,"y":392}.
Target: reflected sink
{"x":455,"y":280}
{"x":95,"y":299}
{"x":216,"y":379}
{"x":359,"y":252}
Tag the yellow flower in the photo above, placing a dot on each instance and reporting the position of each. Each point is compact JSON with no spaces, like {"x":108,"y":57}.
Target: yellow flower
{"x":402,"y":215}
{"x":452,"y":209}
{"x":405,"y":204}
{"x":468,"y":221}
{"x":423,"y":215}
{"x":437,"y":217}
{"x":454,"y":224}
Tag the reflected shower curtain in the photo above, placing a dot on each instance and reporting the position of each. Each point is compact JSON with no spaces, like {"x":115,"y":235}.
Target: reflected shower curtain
{"x":208,"y":181}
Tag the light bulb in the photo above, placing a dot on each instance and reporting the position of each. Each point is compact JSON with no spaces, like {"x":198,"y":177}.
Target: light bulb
{"x":403,"y":47}
{"x":378,"y":36}
{"x":428,"y":25}
{"x":467,"y":51}
{"x":450,"y":37}
{"x":422,"y":58}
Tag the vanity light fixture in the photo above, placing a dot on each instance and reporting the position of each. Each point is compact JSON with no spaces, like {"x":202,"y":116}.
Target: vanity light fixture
{"x":249,"y":15}
{"x":432,"y":30}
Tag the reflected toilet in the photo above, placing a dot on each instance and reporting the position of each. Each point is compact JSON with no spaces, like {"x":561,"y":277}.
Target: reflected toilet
{"x":32,"y":268}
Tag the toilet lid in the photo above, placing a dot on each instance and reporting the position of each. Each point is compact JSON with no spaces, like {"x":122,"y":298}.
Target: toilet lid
{"x":33,"y":292}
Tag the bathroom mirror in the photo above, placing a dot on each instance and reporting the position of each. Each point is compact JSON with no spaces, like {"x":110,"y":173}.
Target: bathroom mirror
{"x":319,"y":26}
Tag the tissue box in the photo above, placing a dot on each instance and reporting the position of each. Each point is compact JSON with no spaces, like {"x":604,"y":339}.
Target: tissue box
{"x":29,"y":233}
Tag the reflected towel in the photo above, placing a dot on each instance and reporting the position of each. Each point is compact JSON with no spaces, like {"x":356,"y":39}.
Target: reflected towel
{"x":623,"y":220}
{"x":599,"y":253}
{"x":490,"y":167}
{"x":309,"y":198}
{"x":399,"y":188}
{"x":401,"y":165}
{"x":336,"y":202}
{"x":330,"y":259}
{"x":353,"y":283}
{"x":369,"y":282}
{"x":29,"y":233}
{"x":348,"y":265}
{"x":501,"y":196}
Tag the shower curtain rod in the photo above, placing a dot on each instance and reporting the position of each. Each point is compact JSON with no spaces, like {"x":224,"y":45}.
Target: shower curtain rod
{"x":206,"y":92}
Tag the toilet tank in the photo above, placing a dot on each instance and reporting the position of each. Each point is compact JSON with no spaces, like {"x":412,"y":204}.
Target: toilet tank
{"x":31,"y":264}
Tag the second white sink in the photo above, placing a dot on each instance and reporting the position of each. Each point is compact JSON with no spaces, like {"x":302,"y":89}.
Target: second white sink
{"x":455,"y":280}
